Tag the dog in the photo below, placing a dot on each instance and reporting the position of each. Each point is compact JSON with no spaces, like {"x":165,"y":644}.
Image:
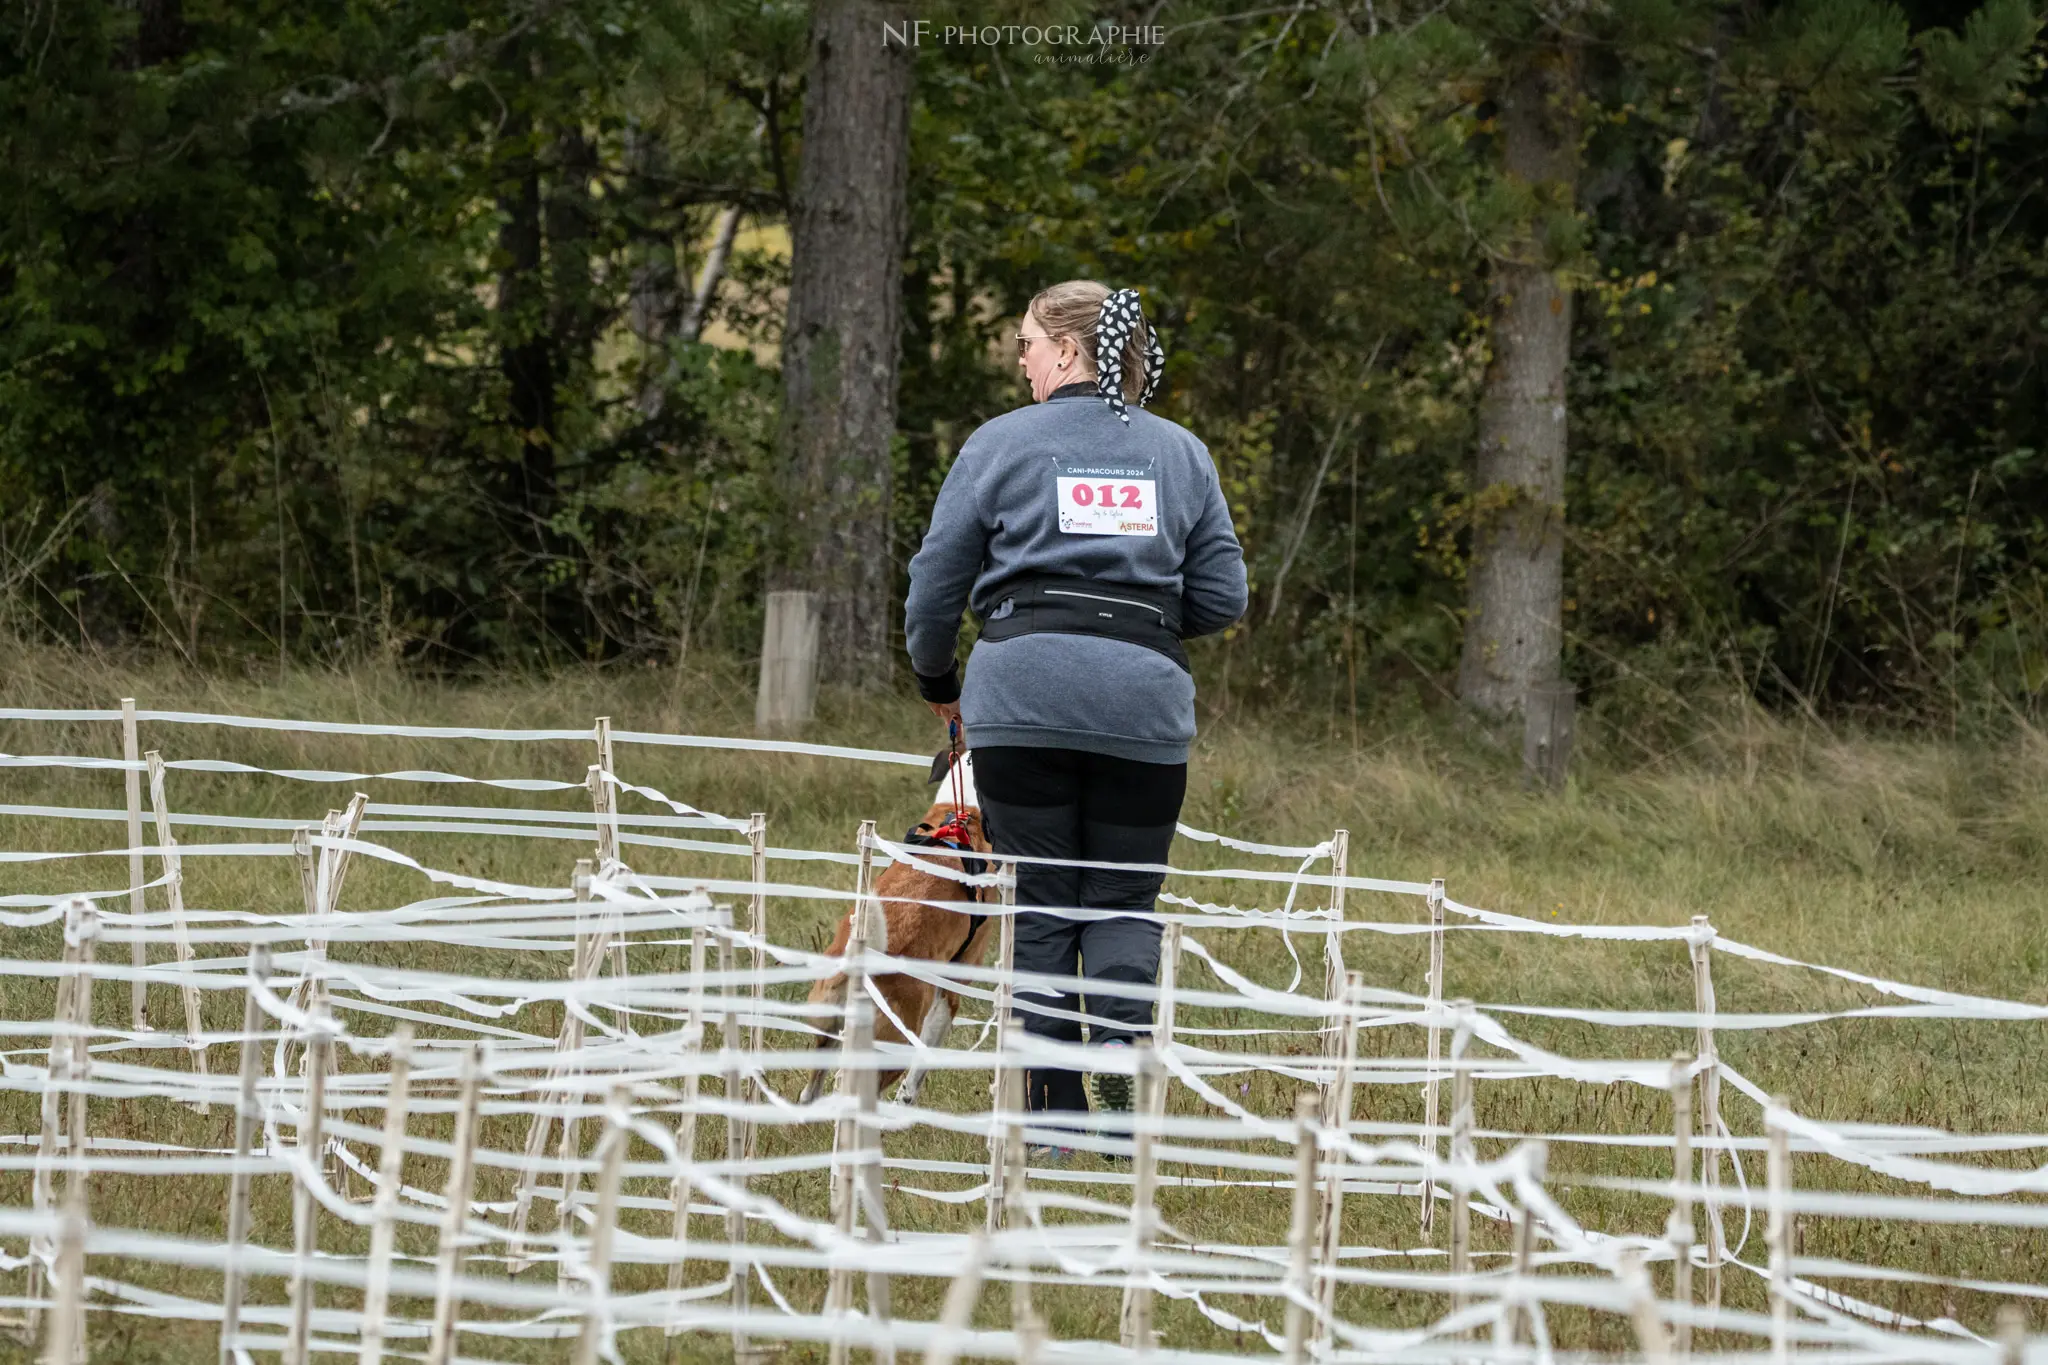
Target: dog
{"x":921,"y":931}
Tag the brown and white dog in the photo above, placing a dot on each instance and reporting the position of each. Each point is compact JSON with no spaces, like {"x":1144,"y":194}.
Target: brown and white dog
{"x":920,"y":931}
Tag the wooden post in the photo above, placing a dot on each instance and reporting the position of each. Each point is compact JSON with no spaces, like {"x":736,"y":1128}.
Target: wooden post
{"x":603,"y":797}
{"x":582,"y":965}
{"x":247,"y":1115}
{"x":1169,"y":980}
{"x":1701,"y":950}
{"x":305,"y":1210}
{"x":1778,"y":1231}
{"x":683,"y":1186}
{"x":1296,"y":1287}
{"x":856,"y":1041}
{"x":66,"y":1345}
{"x":1462,"y":1155}
{"x":322,"y":875}
{"x":174,"y":892}
{"x":788,"y":691}
{"x":845,"y":1198}
{"x":738,"y":1134}
{"x":1006,"y":1023}
{"x":961,"y":1296}
{"x":1507,"y":1328}
{"x":63,"y":1092}
{"x":1547,"y":709}
{"x":868,"y":1175}
{"x":1679,"y":1230}
{"x":617,"y":1135}
{"x":1137,"y":1312}
{"x":67,"y":1329}
{"x":455,"y":1218}
{"x":138,"y":989}
{"x":2012,"y":1334}
{"x":384,"y":1212}
{"x":1337,"y":1118}
{"x":1642,"y":1302}
{"x":1023,"y":1313}
{"x":1429,"y":1080}
{"x":1333,"y":964}
{"x":740,"y":1231}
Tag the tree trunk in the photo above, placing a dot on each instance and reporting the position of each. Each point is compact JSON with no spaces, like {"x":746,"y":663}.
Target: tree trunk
{"x":1514,"y":623}
{"x":526,"y":358}
{"x":840,"y":349}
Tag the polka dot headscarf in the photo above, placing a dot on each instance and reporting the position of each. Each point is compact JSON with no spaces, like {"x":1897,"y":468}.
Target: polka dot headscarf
{"x":1120,"y":314}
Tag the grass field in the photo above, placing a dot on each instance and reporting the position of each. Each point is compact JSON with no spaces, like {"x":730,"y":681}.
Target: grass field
{"x":1917,"y":860}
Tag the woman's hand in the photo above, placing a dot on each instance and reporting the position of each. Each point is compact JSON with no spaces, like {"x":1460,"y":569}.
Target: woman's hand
{"x":949,"y":712}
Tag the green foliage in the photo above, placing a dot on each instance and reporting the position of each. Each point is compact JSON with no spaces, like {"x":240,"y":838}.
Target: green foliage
{"x":352,"y":329}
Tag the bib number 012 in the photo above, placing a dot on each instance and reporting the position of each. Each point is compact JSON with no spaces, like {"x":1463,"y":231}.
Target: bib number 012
{"x":1108,"y":507}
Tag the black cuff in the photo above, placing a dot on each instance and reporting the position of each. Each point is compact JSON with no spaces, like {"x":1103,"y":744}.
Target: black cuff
{"x":943,"y":688}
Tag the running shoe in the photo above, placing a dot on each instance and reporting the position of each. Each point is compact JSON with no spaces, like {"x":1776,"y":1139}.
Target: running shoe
{"x":1046,"y":1154}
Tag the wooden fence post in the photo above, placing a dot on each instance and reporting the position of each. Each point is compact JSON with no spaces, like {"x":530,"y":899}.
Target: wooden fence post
{"x":857,"y":1079}
{"x":1679,"y":1230}
{"x":617,"y":1135}
{"x":788,"y":690}
{"x":319,"y":1057}
{"x":1778,"y":1230}
{"x":63,"y":1093}
{"x":1296,"y":1287}
{"x":384,"y":1211}
{"x":741,"y":1231}
{"x":1642,"y":1301}
{"x":174,"y":892}
{"x":1137,"y":1312}
{"x":683,"y":1187}
{"x":131,"y":757}
{"x":1429,"y":1081}
{"x":569,"y":1041}
{"x":323,"y":872}
{"x":247,"y":1116}
{"x":66,"y":1345}
{"x":1333,"y":960}
{"x":961,"y":1296}
{"x":1338,"y":1118}
{"x":1700,"y":948}
{"x":1006,"y":1025}
{"x":1024,"y":1320}
{"x":455,"y":1218}
{"x":1462,"y":1155}
{"x":1507,"y":1327}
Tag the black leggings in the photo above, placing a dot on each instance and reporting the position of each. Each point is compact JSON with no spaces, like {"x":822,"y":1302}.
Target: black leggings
{"x":1067,"y":803}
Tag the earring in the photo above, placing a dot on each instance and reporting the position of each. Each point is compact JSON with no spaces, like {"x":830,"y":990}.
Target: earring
{"x":1063,"y":364}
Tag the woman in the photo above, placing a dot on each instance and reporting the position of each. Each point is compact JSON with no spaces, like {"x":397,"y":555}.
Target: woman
{"x":1089,"y":539}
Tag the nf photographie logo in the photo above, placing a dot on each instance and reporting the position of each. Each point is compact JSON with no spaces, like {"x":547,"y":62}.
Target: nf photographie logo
{"x":1057,"y":43}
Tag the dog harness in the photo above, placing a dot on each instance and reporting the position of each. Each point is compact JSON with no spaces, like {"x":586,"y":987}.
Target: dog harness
{"x":953,"y":837}
{"x":1064,"y":605}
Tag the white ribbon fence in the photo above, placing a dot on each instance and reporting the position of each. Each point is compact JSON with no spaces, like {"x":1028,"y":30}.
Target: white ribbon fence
{"x":599,"y":1023}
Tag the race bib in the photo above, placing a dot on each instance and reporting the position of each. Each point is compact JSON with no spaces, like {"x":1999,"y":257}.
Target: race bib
{"x":1106,"y":498}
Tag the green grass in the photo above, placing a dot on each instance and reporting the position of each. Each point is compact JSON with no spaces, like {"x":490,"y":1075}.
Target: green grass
{"x":1910,"y":859}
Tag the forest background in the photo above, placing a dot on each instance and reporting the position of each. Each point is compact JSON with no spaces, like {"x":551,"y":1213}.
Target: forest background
{"x":454,"y":336}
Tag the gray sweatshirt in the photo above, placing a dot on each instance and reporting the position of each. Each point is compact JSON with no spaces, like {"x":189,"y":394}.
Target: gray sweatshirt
{"x":1063,"y":487}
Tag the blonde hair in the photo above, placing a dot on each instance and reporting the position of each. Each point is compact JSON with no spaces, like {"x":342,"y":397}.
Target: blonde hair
{"x":1072,"y":309}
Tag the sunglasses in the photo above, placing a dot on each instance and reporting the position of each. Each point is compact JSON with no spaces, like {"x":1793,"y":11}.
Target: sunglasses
{"x":1024,"y":343}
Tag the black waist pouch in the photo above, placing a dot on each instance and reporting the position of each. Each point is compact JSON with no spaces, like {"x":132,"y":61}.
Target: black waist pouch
{"x":1053,"y":604}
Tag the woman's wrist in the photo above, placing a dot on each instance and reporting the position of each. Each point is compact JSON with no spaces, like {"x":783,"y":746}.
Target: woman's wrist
{"x":941,"y":688}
